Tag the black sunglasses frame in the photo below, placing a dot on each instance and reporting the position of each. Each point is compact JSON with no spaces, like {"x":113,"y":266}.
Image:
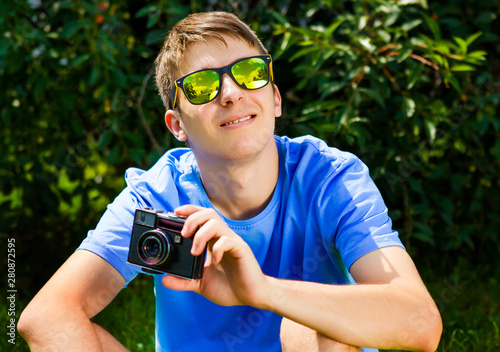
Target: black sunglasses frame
{"x":179,"y":83}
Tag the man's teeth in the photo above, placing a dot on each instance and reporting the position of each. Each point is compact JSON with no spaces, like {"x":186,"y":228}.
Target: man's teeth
{"x":239,"y":120}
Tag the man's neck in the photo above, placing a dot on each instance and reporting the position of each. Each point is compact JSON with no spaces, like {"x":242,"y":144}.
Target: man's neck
{"x":241,"y":190}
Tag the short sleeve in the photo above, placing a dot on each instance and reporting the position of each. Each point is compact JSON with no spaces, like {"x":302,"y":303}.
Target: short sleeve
{"x":111,"y":237}
{"x":352,"y":212}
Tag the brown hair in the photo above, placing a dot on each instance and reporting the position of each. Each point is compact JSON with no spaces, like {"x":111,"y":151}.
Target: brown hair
{"x":193,"y":29}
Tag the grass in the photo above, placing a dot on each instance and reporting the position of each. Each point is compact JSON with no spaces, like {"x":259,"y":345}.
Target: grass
{"x":466,"y":294}
{"x":131,"y":317}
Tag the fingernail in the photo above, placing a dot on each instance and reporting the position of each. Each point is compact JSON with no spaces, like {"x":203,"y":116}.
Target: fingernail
{"x":194,"y":249}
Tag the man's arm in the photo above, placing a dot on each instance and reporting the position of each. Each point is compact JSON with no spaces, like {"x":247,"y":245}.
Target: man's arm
{"x":389,"y":308}
{"x":58,"y":317}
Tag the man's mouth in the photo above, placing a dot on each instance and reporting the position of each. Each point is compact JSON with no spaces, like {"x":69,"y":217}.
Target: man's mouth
{"x":238,"y":121}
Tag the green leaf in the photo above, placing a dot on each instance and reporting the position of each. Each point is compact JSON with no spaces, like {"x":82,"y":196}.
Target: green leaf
{"x":385,"y":36}
{"x":332,"y":88}
{"x":343,"y":116}
{"x":107,"y":54}
{"x":408,"y":2}
{"x":374,"y":95}
{"x":460,"y":146}
{"x":327,"y":127}
{"x":284,"y":45}
{"x":65,"y":183}
{"x":431,"y":129}
{"x":408,"y":26}
{"x":391,"y":19}
{"x":119,"y":77}
{"x":415,"y":74}
{"x":433,"y":26}
{"x":366,"y":43}
{"x":449,"y":78}
{"x":303,"y":52}
{"x":476,"y":56}
{"x":470,"y":39}
{"x":463,"y":67}
{"x":80,"y":59}
{"x":153,"y":19}
{"x":282,"y":19}
{"x":114,"y":155}
{"x":424,"y":234}
{"x":305,"y":43}
{"x":363,"y":20}
{"x":146,"y":10}
{"x":333,"y":27}
{"x":70,"y":29}
{"x":462,"y":44}
{"x":386,"y":6}
{"x":95,"y":74}
{"x":415,"y":185}
{"x":315,"y":109}
{"x":408,"y":107}
{"x":425,"y":39}
{"x":403,"y":55}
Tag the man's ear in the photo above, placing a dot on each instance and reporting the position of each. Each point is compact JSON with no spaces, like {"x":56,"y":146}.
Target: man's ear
{"x":277,"y":101}
{"x":174,"y":124}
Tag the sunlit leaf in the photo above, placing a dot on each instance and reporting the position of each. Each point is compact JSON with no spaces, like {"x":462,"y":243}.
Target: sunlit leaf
{"x":408,"y":107}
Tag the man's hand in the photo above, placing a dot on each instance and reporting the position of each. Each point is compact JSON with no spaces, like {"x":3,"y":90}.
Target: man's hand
{"x":232,"y":275}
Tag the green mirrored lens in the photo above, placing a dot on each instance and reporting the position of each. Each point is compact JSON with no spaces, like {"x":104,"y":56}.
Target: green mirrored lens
{"x":201,"y":87}
{"x":251,"y":73}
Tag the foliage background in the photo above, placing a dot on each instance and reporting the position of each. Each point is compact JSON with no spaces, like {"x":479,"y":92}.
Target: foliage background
{"x":409,"y":86}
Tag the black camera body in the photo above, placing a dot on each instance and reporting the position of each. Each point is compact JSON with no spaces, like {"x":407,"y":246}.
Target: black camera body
{"x":157,"y":246}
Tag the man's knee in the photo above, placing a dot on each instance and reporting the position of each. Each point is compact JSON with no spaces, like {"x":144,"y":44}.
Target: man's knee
{"x":298,"y":338}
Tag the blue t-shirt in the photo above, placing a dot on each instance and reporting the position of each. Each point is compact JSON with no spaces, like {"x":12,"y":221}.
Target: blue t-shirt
{"x":325,"y":213}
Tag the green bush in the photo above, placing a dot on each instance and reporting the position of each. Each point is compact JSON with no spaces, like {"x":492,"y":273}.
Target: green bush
{"x":410,"y":88}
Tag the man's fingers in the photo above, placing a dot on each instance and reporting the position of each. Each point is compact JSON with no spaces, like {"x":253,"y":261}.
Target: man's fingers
{"x":211,"y":229}
{"x":196,"y":217}
{"x":223,"y":245}
{"x":206,"y":223}
{"x":178,"y":283}
{"x":186,"y":210}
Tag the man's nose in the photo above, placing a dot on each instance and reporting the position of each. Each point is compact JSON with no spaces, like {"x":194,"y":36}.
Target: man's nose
{"x":230,"y":92}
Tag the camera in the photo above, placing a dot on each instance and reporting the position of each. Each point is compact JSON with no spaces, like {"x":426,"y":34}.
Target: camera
{"x":157,"y":246}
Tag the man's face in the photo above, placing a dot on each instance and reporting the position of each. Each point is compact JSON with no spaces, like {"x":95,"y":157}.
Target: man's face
{"x":207,"y":127}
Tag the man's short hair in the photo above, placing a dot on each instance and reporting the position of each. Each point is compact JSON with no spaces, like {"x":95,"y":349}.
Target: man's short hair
{"x":197,"y":28}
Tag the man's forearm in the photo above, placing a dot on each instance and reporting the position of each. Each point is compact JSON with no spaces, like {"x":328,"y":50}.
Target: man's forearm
{"x":68,"y":334}
{"x":379,"y":316}
{"x":58,"y":317}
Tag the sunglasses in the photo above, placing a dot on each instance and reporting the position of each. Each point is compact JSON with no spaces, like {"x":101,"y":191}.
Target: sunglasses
{"x":203,"y":86}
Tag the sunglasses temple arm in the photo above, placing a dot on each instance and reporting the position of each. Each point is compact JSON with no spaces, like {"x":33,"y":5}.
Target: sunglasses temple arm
{"x":176,"y":89}
{"x":271,"y":69}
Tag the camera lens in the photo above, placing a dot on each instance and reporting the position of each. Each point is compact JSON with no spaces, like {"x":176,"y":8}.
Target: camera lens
{"x":154,"y":247}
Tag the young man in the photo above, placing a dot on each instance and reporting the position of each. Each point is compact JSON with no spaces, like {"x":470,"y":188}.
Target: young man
{"x":289,"y":225}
